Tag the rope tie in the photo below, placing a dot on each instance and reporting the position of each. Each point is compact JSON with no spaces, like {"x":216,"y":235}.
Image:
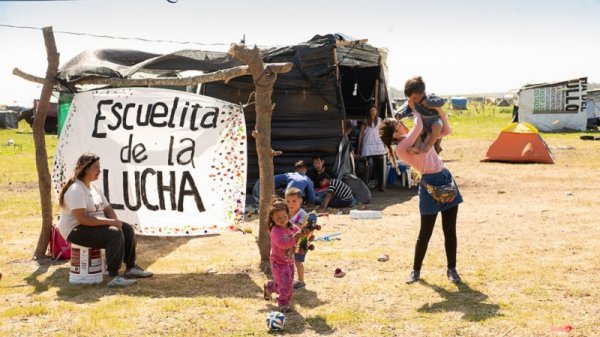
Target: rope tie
{"x":266,"y":71}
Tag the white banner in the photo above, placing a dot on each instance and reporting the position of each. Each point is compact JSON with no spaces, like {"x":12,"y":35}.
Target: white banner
{"x":555,"y":106}
{"x":593,"y":103}
{"x":173,"y":163}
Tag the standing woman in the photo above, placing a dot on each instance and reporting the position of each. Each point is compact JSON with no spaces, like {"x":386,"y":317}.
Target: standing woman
{"x":87,"y":219}
{"x":371,"y":147}
{"x":434,"y":177}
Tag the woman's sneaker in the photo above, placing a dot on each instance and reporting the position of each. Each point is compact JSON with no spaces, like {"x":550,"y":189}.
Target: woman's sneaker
{"x":453,"y":276}
{"x":414,"y":276}
{"x":137,"y":272}
{"x":120,"y":281}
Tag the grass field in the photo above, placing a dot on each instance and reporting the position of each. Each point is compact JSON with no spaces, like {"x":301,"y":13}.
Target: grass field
{"x":529,"y":253}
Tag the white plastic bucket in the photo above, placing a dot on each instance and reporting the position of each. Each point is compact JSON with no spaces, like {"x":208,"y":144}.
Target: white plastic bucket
{"x":360,"y":214}
{"x":87,"y":265}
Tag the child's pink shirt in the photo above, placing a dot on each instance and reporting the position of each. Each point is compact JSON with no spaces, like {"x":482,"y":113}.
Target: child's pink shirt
{"x":425,"y":163}
{"x":283,"y":244}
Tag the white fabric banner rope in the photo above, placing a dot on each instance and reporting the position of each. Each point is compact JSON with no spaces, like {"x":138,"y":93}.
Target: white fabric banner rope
{"x":173,"y":163}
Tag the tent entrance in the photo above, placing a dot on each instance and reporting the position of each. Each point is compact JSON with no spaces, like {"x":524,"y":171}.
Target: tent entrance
{"x":358,"y":89}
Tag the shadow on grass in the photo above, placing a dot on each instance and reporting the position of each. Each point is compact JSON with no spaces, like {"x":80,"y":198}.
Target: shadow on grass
{"x":393,"y":195}
{"x":158,"y":286}
{"x":179,"y":286}
{"x":307,"y":298}
{"x":319,"y":324}
{"x":296,"y":324}
{"x":153,"y":248}
{"x":465,"y":300}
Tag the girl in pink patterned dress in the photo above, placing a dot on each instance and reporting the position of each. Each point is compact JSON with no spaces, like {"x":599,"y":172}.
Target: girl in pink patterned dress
{"x":283,"y":242}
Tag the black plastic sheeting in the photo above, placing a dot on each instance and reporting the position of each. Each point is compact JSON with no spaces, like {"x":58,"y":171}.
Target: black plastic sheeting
{"x":300,"y":127}
{"x":124,"y":63}
{"x":9,"y":120}
{"x":310,"y":103}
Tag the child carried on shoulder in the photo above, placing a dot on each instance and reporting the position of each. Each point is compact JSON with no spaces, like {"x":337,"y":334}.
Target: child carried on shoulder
{"x":429,"y":106}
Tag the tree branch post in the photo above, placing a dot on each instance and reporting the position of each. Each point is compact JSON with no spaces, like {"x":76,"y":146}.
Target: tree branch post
{"x":41,"y":155}
{"x":264,"y":77}
{"x":224,"y":75}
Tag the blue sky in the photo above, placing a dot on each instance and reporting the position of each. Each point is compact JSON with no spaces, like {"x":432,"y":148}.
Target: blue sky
{"x":458,"y":47}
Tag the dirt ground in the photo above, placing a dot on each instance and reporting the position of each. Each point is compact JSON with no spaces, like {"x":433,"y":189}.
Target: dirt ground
{"x":528,"y":251}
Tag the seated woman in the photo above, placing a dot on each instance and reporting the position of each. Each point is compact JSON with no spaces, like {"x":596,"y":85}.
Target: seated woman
{"x":87,"y":219}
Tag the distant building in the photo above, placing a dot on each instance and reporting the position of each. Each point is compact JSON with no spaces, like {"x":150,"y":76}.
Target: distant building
{"x":555,"y":106}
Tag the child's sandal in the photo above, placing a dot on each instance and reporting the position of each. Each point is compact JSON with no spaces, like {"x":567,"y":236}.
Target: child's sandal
{"x":267,"y":292}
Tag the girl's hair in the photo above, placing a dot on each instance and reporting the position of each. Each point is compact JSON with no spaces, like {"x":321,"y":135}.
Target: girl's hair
{"x":83,"y":163}
{"x":278,"y":205}
{"x":370,"y":121}
{"x":386,"y":133}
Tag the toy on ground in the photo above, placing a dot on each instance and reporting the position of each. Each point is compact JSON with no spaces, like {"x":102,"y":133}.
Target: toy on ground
{"x":339,"y":273}
{"x":329,"y":237}
{"x":383,"y":258}
{"x":308,"y":227}
{"x":275,"y":321}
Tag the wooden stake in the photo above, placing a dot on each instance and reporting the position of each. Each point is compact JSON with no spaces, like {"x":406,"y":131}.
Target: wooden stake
{"x":222,"y":75}
{"x":41,"y":155}
{"x":264,"y":78}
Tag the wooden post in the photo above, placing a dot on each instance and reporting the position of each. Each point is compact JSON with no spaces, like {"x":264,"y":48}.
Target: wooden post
{"x":377,"y":94}
{"x":338,"y":85}
{"x":264,"y":78}
{"x":224,"y":75}
{"x":41,"y":155}
{"x":337,"y":66}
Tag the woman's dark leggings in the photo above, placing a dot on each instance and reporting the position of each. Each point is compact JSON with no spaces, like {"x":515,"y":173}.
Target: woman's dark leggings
{"x":376,"y":167}
{"x":118,"y":243}
{"x":449,"y":227}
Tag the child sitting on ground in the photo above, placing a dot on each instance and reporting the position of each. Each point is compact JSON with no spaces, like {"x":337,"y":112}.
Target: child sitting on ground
{"x":318,"y":162}
{"x":283,"y":235}
{"x":293,"y":199}
{"x":428,"y":106}
{"x":339,"y":194}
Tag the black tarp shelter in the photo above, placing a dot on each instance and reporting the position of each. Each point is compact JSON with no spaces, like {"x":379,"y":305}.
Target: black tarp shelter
{"x":9,"y":119}
{"x":333,"y":78}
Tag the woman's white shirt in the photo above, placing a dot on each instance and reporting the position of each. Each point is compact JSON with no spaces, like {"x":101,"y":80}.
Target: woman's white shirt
{"x":76,"y":197}
{"x":371,"y":142}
